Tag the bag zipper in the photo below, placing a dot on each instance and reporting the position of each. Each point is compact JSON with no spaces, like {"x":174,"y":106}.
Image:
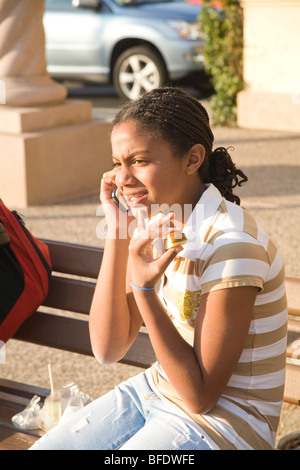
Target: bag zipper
{"x":27,"y":233}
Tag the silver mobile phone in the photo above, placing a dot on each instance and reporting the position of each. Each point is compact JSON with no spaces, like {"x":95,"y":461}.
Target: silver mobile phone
{"x":122,"y":205}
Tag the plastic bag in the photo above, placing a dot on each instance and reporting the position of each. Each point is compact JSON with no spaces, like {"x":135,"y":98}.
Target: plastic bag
{"x":73,"y":399}
{"x":28,"y":418}
{"x":46,"y":415}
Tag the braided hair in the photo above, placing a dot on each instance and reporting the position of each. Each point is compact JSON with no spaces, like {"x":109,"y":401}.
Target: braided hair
{"x":180,"y":119}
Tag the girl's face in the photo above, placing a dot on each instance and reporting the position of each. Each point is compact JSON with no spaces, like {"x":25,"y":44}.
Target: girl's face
{"x":147,"y":170}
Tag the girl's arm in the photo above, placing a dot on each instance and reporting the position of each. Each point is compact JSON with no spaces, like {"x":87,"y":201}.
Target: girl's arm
{"x":200,"y":372}
{"x":114,"y":319}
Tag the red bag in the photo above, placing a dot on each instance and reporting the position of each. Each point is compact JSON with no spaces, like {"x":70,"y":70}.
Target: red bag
{"x":25,"y":270}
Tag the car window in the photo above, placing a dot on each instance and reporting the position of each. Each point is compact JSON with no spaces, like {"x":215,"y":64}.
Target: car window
{"x":59,"y":3}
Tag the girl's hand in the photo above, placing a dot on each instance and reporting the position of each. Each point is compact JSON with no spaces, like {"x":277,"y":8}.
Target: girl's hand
{"x":145,"y":269}
{"x":107,"y":185}
{"x":119,"y":222}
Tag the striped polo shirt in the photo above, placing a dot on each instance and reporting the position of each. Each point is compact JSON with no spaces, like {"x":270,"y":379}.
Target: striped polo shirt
{"x":227,"y":248}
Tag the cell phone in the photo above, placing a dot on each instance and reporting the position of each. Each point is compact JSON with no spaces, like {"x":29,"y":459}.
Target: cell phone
{"x":122,"y":205}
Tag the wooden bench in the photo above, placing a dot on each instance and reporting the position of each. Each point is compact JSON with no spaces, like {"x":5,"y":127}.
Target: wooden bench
{"x":75,"y":269}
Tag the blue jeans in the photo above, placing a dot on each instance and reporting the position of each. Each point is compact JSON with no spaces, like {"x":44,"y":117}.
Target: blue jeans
{"x":130,"y":417}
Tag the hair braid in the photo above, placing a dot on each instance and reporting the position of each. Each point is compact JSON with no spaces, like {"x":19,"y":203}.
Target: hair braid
{"x":179,"y":118}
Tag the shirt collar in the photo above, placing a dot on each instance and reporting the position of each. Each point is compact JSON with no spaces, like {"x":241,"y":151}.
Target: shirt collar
{"x":202,"y":217}
{"x":198,"y":223}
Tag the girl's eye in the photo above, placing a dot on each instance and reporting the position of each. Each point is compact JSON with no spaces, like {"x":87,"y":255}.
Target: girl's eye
{"x":116,"y":165}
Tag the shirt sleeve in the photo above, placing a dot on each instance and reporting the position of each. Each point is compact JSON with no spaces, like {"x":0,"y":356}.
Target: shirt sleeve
{"x":235,"y":260}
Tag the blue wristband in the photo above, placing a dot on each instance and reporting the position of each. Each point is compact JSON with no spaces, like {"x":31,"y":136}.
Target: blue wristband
{"x":142,"y":288}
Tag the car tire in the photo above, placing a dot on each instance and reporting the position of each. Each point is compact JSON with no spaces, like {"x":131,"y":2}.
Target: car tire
{"x":138,"y":70}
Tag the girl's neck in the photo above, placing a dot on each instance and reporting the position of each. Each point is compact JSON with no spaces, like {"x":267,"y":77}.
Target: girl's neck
{"x":190,"y":201}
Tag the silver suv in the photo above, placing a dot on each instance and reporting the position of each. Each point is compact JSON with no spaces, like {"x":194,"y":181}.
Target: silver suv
{"x":136,"y":45}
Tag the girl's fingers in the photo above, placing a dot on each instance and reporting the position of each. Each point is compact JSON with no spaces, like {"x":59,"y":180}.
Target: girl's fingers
{"x":155,"y":230}
{"x":141,"y":216}
{"x":107,"y":184}
{"x":167,"y":257}
{"x":162,"y":232}
{"x":147,"y":268}
{"x":109,"y":178}
{"x":161,"y":227}
{"x":142,"y":246}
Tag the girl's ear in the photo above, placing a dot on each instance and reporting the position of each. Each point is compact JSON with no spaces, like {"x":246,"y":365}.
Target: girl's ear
{"x":195,"y":158}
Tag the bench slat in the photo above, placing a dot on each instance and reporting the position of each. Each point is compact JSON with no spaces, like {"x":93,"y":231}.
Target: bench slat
{"x":56,"y":331}
{"x":293,"y":339}
{"x":293,"y":295}
{"x":73,"y":335}
{"x":75,"y":259}
{"x":70,"y":294}
{"x":292,"y":384}
{"x":21,"y":390}
{"x":12,"y":440}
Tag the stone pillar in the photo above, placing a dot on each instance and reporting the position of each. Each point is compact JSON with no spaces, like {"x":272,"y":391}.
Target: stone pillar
{"x":51,"y":149}
{"x":23,"y":68}
{"x":271,"y":98}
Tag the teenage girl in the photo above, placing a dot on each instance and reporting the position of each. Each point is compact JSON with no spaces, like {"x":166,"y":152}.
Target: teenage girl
{"x":214,"y":308}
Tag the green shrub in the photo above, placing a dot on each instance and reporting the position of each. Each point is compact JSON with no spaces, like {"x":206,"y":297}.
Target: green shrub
{"x":223,"y":31}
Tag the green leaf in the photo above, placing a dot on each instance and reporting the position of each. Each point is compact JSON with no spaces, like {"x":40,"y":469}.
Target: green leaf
{"x":223,"y":52}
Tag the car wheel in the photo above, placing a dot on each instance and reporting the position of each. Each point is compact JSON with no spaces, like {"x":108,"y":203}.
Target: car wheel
{"x":136,"y":71}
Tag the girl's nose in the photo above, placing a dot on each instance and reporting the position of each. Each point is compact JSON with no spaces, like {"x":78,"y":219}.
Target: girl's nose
{"x":124,"y":177}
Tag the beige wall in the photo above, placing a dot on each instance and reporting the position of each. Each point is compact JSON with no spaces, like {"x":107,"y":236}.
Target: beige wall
{"x":271,"y":98}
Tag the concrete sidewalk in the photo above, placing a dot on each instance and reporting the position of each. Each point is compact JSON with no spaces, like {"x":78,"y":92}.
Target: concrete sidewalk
{"x":271,"y":160}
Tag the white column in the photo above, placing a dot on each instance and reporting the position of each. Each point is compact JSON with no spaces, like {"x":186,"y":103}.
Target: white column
{"x":51,"y":148}
{"x":23,"y":71}
{"x":271,"y":98}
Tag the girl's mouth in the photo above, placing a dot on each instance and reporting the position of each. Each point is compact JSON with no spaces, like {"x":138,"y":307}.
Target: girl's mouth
{"x":134,"y":199}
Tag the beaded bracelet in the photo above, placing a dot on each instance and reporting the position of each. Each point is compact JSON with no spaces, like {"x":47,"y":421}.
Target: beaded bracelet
{"x":141,"y":288}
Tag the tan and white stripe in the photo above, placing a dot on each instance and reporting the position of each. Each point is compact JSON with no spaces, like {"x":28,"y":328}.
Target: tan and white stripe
{"x":231,"y":249}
